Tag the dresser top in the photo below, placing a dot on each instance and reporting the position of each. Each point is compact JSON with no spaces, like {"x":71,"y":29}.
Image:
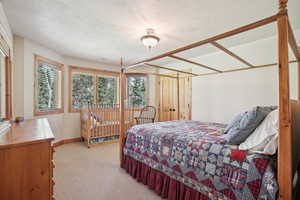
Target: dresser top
{"x":27,"y":132}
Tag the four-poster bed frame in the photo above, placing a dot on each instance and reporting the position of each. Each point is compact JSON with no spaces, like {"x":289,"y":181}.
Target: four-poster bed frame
{"x":288,"y":136}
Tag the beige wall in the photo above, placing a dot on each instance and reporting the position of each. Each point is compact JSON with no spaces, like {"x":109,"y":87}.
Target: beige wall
{"x":65,"y":125}
{"x":218,"y":98}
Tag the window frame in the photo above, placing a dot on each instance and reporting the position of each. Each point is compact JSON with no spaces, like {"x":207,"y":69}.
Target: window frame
{"x":58,"y":66}
{"x":5,"y":49}
{"x":147,"y":100}
{"x":94,"y":72}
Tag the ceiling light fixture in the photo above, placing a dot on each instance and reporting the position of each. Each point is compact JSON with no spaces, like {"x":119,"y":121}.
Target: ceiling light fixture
{"x":150,"y":40}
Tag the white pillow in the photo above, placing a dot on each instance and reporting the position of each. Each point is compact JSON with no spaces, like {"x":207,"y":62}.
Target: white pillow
{"x":264,"y":138}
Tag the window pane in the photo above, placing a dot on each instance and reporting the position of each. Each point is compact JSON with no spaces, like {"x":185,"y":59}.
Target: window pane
{"x":107,"y":90}
{"x":82,"y":90}
{"x":2,"y":87}
{"x":47,"y":87}
{"x":136,"y":91}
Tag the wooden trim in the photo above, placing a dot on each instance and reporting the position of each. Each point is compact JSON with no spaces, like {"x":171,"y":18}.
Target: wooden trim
{"x":58,"y":66}
{"x":293,"y":42}
{"x":49,"y":112}
{"x":285,"y":135}
{"x":8,"y":87}
{"x":66,"y":141}
{"x":170,"y":69}
{"x":241,"y":29}
{"x":57,"y":144}
{"x":151,"y":73}
{"x":195,"y":63}
{"x":219,"y":46}
{"x":95,"y":72}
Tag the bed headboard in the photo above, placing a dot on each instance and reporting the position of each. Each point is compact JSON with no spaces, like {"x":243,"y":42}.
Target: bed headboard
{"x":295,"y":109}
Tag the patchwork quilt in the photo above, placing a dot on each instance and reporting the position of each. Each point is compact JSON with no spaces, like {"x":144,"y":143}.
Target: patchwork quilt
{"x":195,"y":154}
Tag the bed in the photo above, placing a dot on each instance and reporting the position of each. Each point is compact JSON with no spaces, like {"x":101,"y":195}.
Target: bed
{"x":288,"y":156}
{"x":190,"y":160}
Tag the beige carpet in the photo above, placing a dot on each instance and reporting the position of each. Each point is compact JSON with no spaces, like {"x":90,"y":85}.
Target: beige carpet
{"x":94,"y":174}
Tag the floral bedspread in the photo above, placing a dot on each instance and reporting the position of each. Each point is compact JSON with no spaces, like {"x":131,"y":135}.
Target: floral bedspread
{"x":194,"y":153}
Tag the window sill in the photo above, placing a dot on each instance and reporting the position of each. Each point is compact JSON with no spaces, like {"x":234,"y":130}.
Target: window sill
{"x":48,"y":112}
{"x":74,"y":111}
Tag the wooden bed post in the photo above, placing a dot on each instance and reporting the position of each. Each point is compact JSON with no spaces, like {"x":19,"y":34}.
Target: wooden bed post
{"x":122,"y":111}
{"x":285,"y":136}
{"x":178,"y":98}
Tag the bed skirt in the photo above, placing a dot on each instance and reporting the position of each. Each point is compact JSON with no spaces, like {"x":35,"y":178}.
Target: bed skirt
{"x":162,"y":184}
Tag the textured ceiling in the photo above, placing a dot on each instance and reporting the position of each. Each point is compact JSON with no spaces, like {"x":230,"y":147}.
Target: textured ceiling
{"x":105,"y":30}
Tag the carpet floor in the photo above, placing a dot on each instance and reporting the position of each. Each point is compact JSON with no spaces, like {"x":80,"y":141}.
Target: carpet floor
{"x":94,"y":174}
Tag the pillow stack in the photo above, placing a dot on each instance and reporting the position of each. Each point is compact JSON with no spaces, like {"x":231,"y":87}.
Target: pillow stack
{"x":264,"y":138}
{"x":244,"y":124}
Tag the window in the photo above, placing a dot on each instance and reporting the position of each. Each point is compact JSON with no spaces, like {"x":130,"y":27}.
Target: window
{"x":83,"y":90}
{"x":5,"y":85}
{"x":48,"y":86}
{"x":107,"y":90}
{"x":137,"y":92}
{"x":91,"y":86}
{"x":5,"y":82}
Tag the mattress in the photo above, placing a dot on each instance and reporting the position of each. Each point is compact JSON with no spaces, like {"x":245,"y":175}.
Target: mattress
{"x":195,"y":154}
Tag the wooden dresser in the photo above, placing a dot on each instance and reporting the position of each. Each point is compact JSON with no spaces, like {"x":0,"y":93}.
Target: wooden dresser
{"x":26,"y":167}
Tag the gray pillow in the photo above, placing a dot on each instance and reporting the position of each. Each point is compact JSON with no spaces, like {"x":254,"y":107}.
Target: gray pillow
{"x":234,"y":122}
{"x":247,"y":124}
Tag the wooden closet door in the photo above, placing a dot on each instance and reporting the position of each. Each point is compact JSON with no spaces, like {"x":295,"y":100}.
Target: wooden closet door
{"x":168,"y":99}
{"x":185,"y":98}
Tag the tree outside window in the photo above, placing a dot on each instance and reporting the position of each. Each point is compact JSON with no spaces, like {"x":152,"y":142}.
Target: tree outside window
{"x":48,"y":91}
{"x":107,"y":90}
{"x":91,"y":86}
{"x":83,"y":90}
{"x":136,"y":87}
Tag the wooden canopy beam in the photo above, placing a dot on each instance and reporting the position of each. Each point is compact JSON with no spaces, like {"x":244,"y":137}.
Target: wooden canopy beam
{"x":241,"y":29}
{"x":170,"y":69}
{"x":152,"y":73}
{"x":293,"y":42}
{"x":246,"y":68}
{"x":195,"y":63}
{"x":219,"y":46}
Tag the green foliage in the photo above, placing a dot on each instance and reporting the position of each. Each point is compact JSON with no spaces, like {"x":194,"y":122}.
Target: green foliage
{"x":47,"y":77}
{"x":136,"y":91}
{"x":83,"y":90}
{"x":107,"y":90}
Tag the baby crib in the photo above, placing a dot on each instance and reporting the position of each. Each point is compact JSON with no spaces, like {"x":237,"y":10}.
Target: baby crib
{"x":100,"y":123}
